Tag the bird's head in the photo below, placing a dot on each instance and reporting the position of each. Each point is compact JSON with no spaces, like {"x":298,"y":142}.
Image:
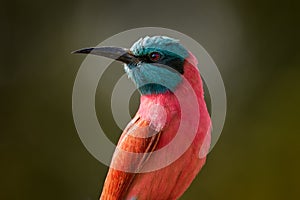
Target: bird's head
{"x":155,"y":64}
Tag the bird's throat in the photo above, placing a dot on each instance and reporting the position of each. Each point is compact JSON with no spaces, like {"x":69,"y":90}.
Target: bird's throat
{"x":153,"y":88}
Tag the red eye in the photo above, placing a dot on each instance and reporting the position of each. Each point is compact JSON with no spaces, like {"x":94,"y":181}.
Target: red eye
{"x":154,"y":56}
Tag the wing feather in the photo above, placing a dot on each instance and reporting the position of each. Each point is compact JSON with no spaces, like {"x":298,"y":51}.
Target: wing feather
{"x":135,"y":145}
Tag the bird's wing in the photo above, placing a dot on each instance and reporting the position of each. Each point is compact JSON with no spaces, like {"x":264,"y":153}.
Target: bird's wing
{"x":136,"y":143}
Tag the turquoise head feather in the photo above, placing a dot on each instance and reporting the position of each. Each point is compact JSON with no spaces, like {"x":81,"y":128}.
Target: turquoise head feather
{"x":160,"y":65}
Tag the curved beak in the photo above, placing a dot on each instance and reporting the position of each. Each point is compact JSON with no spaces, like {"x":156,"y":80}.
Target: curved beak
{"x":116,"y":53}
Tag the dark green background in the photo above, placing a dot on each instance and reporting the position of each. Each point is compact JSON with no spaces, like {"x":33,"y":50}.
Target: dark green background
{"x":254,"y":43}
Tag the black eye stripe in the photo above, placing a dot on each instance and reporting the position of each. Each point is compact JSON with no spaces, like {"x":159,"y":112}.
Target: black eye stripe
{"x":172,"y":61}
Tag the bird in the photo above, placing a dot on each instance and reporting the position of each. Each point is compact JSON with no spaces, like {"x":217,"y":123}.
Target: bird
{"x":161,"y":68}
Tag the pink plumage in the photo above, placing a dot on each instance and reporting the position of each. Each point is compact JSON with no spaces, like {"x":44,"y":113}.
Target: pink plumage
{"x":161,"y":113}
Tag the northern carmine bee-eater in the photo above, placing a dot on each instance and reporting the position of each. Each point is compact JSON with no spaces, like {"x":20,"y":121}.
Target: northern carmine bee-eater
{"x":160,"y":67}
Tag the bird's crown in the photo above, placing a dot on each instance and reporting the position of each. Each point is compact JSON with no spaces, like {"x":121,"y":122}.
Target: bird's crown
{"x":158,"y":43}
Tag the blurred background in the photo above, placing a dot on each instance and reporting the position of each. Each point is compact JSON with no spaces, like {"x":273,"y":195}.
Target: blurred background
{"x":255,"y":44}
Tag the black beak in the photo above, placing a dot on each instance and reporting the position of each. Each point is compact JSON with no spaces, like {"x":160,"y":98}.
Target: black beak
{"x":116,"y":53}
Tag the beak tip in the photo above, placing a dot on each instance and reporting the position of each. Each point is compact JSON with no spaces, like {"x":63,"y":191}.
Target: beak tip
{"x":115,"y":53}
{"x":82,"y":51}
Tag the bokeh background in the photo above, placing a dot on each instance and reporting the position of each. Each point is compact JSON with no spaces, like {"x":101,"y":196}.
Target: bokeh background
{"x":255,"y":44}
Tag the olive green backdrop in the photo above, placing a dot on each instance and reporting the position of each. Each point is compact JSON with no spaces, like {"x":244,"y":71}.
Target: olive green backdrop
{"x":254,"y":43}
